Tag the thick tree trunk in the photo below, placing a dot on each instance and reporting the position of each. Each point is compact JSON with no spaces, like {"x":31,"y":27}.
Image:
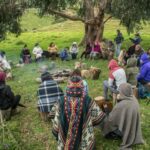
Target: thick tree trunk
{"x":94,"y":26}
{"x":93,"y":32}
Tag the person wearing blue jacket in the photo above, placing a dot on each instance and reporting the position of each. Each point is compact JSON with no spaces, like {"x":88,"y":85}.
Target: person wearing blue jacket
{"x":144,"y":75}
{"x":64,"y":54}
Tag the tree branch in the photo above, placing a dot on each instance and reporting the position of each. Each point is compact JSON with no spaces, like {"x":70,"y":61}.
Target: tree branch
{"x":107,"y":19}
{"x":62,"y":14}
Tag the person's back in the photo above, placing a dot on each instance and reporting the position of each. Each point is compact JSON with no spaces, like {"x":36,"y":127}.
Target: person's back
{"x":75,"y":117}
{"x":124,"y":120}
{"x":132,"y":71}
{"x":48,"y":93}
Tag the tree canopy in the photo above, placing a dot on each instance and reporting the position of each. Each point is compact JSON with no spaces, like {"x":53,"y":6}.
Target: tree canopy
{"x":130,"y":12}
{"x":10,"y":13}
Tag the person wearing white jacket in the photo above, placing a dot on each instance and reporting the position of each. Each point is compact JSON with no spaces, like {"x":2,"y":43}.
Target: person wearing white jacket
{"x":37,"y":51}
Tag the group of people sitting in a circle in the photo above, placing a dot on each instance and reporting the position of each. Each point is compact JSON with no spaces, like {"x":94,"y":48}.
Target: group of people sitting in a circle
{"x":73,"y":112}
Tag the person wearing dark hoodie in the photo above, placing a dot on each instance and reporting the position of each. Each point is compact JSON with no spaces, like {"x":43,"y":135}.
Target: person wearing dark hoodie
{"x":124,"y":120}
{"x":7,"y":98}
{"x":132,"y":71}
{"x":117,"y":76}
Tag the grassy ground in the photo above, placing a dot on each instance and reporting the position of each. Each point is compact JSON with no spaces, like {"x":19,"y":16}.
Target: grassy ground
{"x":29,"y":131}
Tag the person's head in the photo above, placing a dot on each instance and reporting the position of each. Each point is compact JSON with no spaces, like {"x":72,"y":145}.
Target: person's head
{"x":118,"y":31}
{"x":113,"y":64}
{"x":66,"y":48}
{"x":74,"y":44}
{"x":125,"y":91}
{"x":137,"y":35}
{"x":138,"y":47}
{"x":36,"y":44}
{"x":76,"y":72}
{"x":110,"y":43}
{"x":46,"y":76}
{"x":75,"y":87}
{"x":44,"y":69}
{"x":2,"y":77}
{"x":51,"y":44}
{"x":132,"y":62}
{"x":25,"y":46}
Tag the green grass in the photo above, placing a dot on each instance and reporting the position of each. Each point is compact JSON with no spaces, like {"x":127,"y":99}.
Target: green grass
{"x":30,"y":132}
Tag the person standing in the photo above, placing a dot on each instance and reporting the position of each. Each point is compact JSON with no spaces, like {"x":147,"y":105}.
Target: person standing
{"x":118,"y":40}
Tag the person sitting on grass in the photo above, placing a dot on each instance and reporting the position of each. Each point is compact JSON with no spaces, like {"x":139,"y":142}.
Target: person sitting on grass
{"x":139,"y":51}
{"x":117,"y":76}
{"x":8,"y":101}
{"x":64,"y":55}
{"x":74,"y":50}
{"x":132,"y":71}
{"x":123,"y":121}
{"x":25,"y":55}
{"x":49,"y":94}
{"x":4,"y":64}
{"x":87,"y":51}
{"x":37,"y":51}
{"x":96,"y":50}
{"x":143,"y":77}
{"x":75,"y":118}
{"x":52,"y":49}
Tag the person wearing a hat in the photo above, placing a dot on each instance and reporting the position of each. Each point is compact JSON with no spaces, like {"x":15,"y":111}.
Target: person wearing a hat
{"x":75,"y":118}
{"x":7,"y":98}
{"x":124,"y":120}
{"x":37,"y":51}
{"x":48,"y":94}
{"x":74,"y":50}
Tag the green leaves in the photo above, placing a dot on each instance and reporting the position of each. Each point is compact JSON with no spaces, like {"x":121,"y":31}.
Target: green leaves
{"x":11,"y":11}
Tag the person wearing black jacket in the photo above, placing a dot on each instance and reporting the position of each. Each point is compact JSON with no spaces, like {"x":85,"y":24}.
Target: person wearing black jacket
{"x":7,"y":98}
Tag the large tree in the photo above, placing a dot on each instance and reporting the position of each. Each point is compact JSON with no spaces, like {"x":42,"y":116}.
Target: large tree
{"x":10,"y":13}
{"x":92,"y":12}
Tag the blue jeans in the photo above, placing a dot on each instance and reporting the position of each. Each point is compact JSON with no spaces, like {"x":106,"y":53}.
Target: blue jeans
{"x":118,"y":47}
{"x":106,"y":87}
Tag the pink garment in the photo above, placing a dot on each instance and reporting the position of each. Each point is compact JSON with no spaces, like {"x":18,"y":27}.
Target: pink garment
{"x":2,"y":76}
{"x":113,"y":66}
{"x":97,"y":48}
